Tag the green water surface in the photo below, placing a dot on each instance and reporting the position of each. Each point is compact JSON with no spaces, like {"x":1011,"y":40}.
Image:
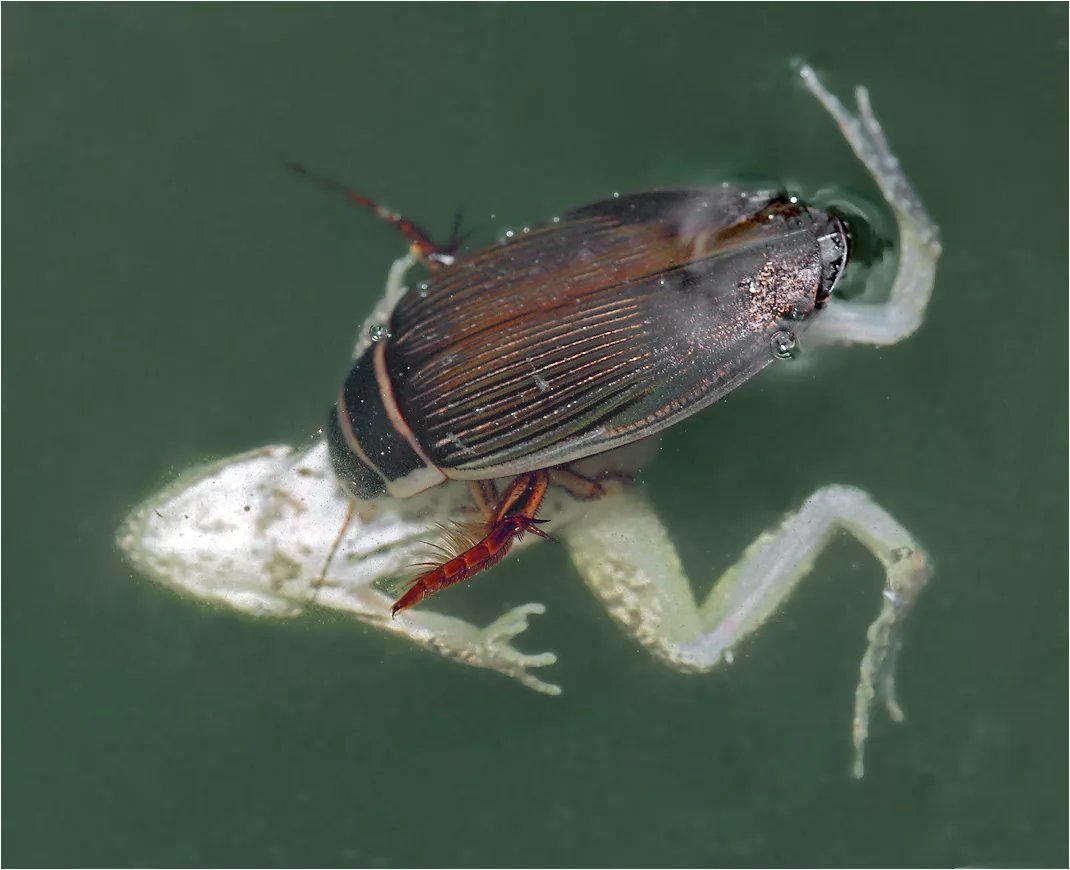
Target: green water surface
{"x":171,"y":294}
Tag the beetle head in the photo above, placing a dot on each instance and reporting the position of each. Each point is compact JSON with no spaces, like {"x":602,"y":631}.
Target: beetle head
{"x":835,"y":247}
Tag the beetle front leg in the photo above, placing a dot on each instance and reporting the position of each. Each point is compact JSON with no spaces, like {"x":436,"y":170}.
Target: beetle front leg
{"x":846,"y":322}
{"x":625,"y":555}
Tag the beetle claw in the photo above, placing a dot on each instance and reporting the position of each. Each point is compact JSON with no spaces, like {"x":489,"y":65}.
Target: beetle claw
{"x":457,"y":238}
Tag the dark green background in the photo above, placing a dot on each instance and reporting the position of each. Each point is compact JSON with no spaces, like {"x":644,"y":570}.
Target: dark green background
{"x":172,"y":294}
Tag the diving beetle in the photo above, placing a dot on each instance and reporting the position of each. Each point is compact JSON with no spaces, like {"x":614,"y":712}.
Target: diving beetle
{"x":598,"y":329}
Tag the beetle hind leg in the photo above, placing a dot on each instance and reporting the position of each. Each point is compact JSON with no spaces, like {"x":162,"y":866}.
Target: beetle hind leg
{"x":485,"y":495}
{"x":577,"y":485}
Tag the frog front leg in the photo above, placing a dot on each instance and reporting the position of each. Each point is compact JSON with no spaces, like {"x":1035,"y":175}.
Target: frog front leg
{"x":626,"y":557}
{"x":890,"y":321}
{"x":488,"y":646}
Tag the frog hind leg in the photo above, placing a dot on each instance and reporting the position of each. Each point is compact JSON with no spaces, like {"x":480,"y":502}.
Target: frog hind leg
{"x":626,"y":557}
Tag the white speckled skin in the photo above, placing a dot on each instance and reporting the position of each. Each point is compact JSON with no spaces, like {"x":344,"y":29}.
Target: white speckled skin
{"x":253,"y":532}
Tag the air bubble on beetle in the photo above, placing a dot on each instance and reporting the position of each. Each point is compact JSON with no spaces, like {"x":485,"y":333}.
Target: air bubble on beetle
{"x":750,"y":285}
{"x":459,"y":444}
{"x":378,"y":332}
{"x":784,"y":344}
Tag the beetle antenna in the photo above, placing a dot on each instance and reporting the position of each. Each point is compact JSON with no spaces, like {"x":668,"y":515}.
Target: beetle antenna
{"x":431,"y":254}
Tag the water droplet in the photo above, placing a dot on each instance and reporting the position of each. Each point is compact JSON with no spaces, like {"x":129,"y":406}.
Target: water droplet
{"x":750,"y":285}
{"x":729,"y":656}
{"x":378,"y":332}
{"x":616,"y":194}
{"x":421,"y":289}
{"x":527,"y":230}
{"x":509,"y":234}
{"x":794,"y":200}
{"x":784,"y":344}
{"x":556,"y":220}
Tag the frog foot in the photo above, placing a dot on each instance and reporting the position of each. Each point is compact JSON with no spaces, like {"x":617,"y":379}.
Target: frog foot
{"x":500,"y":654}
{"x":908,"y":571}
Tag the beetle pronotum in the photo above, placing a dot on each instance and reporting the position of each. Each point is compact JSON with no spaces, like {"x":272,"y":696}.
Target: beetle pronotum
{"x":598,"y":329}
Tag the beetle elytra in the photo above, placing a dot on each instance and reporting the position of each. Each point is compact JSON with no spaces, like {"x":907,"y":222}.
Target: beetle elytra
{"x":598,"y":329}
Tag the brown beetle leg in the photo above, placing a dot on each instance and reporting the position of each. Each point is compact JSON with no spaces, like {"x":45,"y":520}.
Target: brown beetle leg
{"x":485,"y":495}
{"x":431,"y":255}
{"x":524,"y":495}
{"x":576,"y":484}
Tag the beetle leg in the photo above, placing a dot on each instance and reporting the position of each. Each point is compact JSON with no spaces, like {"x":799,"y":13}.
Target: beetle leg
{"x":485,"y":495}
{"x":901,"y":314}
{"x":624,"y":553}
{"x":433,"y":256}
{"x":576,"y":484}
{"x":514,"y":518}
{"x":523,"y":496}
